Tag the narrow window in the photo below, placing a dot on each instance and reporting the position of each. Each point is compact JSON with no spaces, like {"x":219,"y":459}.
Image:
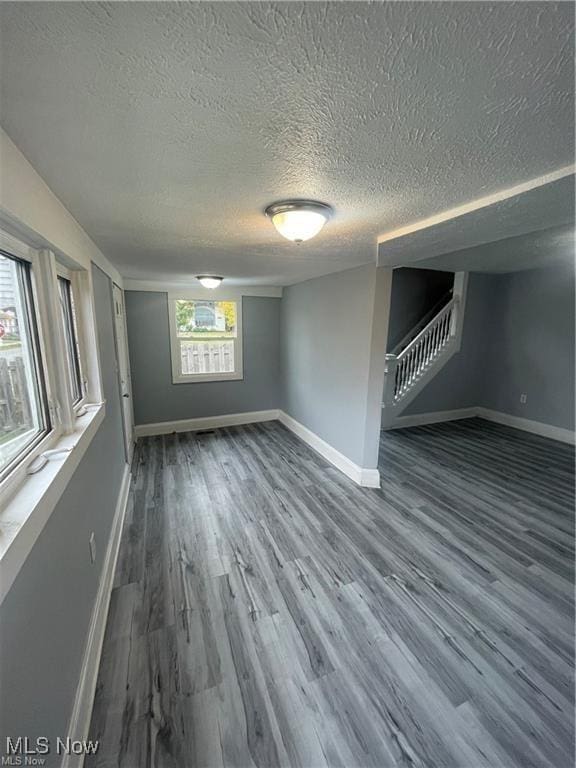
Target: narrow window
{"x":24,"y":418}
{"x":206,"y":340}
{"x":71,"y":338}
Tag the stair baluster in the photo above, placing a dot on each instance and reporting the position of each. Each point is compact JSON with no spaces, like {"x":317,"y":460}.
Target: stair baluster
{"x":404,"y":370}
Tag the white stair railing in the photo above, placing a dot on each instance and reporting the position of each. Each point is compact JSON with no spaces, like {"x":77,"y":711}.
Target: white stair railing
{"x":413,"y":332}
{"x":407,"y":368}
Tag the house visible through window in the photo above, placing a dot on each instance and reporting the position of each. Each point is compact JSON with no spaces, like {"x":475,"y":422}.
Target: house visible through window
{"x":206,"y":340}
{"x":23,"y":400}
{"x":71,"y":338}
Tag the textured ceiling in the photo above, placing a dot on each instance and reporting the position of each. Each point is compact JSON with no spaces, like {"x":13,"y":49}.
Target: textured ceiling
{"x":531,"y":251}
{"x":166,"y":128}
{"x":546,"y":206}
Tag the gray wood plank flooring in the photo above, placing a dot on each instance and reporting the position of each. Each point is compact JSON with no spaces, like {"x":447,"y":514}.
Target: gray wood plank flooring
{"x":268,"y":612}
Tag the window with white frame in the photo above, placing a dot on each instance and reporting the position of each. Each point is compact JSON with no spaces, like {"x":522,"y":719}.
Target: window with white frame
{"x":70,"y":326}
{"x":24,"y":414}
{"x":49,"y":371}
{"x":205,"y":339}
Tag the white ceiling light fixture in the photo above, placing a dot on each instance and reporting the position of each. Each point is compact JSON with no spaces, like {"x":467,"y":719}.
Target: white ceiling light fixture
{"x":209,"y":281}
{"x":299,"y":220}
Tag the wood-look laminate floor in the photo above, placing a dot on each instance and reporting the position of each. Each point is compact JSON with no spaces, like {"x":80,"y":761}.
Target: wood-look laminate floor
{"x":268,"y":612}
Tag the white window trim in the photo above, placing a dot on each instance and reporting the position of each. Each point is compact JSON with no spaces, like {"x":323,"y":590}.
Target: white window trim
{"x":89,"y":348}
{"x":15,"y":247}
{"x":27,"y":497}
{"x":196,"y":378}
{"x":80,"y":287}
{"x":52,"y":335}
{"x":63,"y":416}
{"x":63,"y":271}
{"x":47,"y":441}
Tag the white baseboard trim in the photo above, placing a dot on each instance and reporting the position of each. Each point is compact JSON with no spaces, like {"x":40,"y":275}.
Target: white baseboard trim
{"x":419,"y":419}
{"x":528,"y":425}
{"x":82,"y":711}
{"x":369,"y":478}
{"x":207,"y":422}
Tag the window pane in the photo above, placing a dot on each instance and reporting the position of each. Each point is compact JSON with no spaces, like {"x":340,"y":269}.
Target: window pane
{"x":206,"y":332}
{"x":23,"y":411}
{"x":206,"y":319}
{"x":207,"y":356}
{"x":71,"y":337}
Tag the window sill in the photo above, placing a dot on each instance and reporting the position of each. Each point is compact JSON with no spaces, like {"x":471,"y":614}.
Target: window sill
{"x":29,"y":509}
{"x":203,"y":378}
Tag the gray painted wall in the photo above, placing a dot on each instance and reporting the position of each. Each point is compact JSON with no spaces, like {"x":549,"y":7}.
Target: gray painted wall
{"x":414,"y":293}
{"x":326,"y":339}
{"x":531,"y":345}
{"x":157,"y":399}
{"x":377,"y":365}
{"x":518,"y":338}
{"x":46,"y":615}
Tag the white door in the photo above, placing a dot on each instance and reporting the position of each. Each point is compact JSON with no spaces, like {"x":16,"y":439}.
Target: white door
{"x":123,"y":369}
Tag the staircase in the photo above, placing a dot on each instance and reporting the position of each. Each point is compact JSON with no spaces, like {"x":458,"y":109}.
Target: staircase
{"x":423,"y":353}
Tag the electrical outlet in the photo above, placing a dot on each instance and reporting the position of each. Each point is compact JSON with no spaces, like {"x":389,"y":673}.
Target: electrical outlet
{"x":523,"y":398}
{"x":92,"y":543}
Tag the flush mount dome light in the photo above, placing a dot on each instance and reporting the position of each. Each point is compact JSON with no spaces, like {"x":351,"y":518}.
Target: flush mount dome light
{"x":299,"y":220}
{"x":209,"y":281}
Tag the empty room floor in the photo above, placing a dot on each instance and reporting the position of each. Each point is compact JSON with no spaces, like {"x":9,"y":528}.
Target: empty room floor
{"x":267,"y":611}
